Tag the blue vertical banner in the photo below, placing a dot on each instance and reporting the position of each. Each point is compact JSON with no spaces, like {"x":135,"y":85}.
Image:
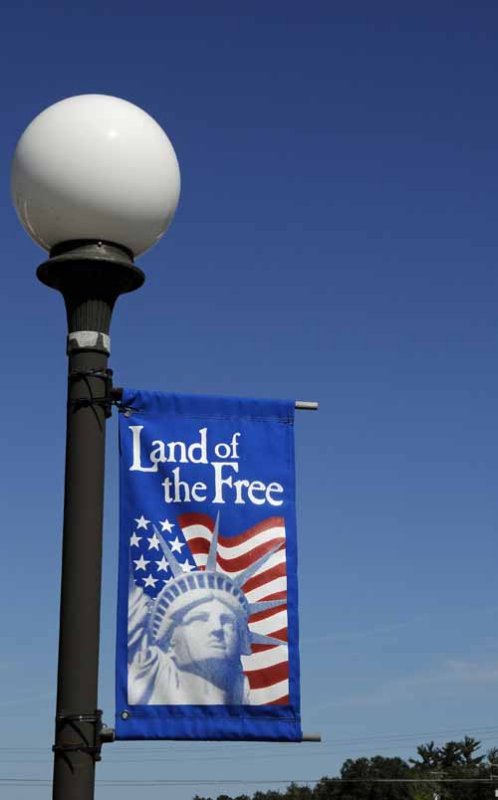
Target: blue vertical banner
{"x":207,"y":642}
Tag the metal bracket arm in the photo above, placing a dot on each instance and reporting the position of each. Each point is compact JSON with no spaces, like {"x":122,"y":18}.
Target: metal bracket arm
{"x":101,"y":734}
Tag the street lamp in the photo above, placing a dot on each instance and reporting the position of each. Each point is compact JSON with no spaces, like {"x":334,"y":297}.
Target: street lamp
{"x":95,"y":181}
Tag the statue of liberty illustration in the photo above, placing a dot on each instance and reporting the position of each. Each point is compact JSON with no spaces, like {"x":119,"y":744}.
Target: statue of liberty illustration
{"x":185,"y":645}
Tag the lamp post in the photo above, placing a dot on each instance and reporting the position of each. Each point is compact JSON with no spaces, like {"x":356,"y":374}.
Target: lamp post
{"x":95,"y":181}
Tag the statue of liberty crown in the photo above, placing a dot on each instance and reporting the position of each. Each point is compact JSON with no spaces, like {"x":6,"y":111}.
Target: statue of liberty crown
{"x":188,"y":590}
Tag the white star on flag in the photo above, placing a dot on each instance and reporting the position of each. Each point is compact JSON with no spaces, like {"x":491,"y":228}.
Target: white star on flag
{"x":135,"y":540}
{"x":141,"y":563}
{"x":166,"y":525}
{"x":186,"y":567}
{"x":162,"y":565}
{"x":176,"y":545}
{"x":142,"y":522}
{"x":150,"y":581}
{"x":153,"y":542}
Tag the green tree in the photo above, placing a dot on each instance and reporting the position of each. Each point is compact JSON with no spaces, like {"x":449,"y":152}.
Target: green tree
{"x":457,"y":761}
{"x":362,"y":778}
{"x":295,"y":792}
{"x":430,"y":757}
{"x":468,"y":748}
{"x":430,"y":773}
{"x":327,"y":789}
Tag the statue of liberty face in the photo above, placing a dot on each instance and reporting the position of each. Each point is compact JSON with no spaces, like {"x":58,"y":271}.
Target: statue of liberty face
{"x":204,"y":616}
{"x":207,"y":631}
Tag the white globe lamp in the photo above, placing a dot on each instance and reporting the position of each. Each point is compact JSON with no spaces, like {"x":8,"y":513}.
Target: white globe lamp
{"x":95,"y":167}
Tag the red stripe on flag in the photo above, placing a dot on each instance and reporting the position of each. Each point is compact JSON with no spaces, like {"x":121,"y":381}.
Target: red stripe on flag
{"x":269,"y":612}
{"x":261,"y":527}
{"x":248,"y":559}
{"x":265,"y":577}
{"x":198,"y":546}
{"x":263,"y":678}
{"x":194,"y":518}
{"x":186,"y":520}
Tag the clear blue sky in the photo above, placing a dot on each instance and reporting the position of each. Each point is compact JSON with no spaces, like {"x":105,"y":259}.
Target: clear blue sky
{"x":336,"y":241}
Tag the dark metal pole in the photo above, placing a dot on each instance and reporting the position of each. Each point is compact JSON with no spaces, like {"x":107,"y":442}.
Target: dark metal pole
{"x":90,"y":276}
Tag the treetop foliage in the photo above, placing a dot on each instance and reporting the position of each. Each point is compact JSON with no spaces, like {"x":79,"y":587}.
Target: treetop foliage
{"x":428,"y":777}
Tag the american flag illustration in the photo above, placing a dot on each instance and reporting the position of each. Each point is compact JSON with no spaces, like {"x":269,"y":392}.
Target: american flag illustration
{"x":267,"y":668}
